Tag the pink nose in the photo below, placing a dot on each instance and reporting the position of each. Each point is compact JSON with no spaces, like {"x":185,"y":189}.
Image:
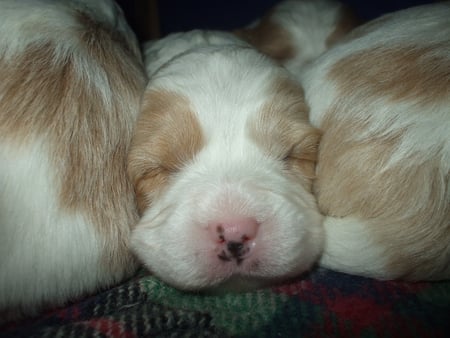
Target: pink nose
{"x":235,"y":237}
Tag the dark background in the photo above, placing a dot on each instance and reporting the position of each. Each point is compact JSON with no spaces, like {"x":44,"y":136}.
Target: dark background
{"x":153,"y":18}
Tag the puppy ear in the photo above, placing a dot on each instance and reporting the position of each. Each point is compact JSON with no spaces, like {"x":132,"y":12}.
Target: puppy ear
{"x":302,"y":157}
{"x":284,"y":32}
{"x":269,"y":38}
{"x":282,"y":130}
{"x":304,"y":154}
{"x":167,"y":137}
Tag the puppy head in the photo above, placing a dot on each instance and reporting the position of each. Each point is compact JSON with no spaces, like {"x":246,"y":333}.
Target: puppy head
{"x":222,"y":162}
{"x":295,"y":32}
{"x":159,"y":52}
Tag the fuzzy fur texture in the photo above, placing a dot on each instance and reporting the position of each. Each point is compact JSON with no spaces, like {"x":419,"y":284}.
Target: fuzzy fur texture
{"x":225,"y":146}
{"x":382,"y":101}
{"x":71,"y":84}
{"x":223,"y":136}
{"x":380,"y":96}
{"x":296,"y":32}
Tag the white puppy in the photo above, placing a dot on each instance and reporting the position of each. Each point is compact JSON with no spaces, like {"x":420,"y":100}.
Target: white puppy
{"x":71,"y":83}
{"x":296,"y":32}
{"x":222,"y":162}
{"x":382,"y":100}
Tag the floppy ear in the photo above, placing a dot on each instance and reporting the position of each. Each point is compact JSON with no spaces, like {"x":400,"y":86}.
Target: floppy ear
{"x":284,"y":32}
{"x":269,"y":38}
{"x":167,"y":137}
{"x":304,"y":154}
{"x":283,"y":131}
{"x":304,"y":138}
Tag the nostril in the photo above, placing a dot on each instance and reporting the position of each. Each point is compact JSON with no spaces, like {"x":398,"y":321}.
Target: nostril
{"x":234,"y":237}
{"x":235,"y":248}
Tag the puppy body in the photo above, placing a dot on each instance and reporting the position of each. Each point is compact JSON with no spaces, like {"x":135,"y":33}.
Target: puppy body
{"x":222,"y":160}
{"x":382,"y":100}
{"x":71,"y":83}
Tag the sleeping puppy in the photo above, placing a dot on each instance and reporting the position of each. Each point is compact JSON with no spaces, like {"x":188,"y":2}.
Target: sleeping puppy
{"x":382,"y":101}
{"x":222,"y":162}
{"x":296,"y":32}
{"x":71,"y":83}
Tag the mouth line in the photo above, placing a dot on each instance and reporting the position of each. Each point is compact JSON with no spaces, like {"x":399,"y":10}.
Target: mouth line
{"x":228,"y":258}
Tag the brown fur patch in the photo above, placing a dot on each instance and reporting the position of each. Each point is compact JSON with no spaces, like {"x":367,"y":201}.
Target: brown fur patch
{"x":167,"y":137}
{"x":352,"y":168}
{"x":86,"y":123}
{"x":405,"y":205}
{"x":282,"y":129}
{"x":269,"y":38}
{"x":416,"y":74}
{"x":347,"y":21}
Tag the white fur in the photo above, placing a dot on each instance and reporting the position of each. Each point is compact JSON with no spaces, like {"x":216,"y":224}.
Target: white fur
{"x":226,"y":85}
{"x":24,"y":19}
{"x":49,"y":253}
{"x":71,"y":250}
{"x":405,"y":28}
{"x":350,"y":248}
{"x":161,"y":51}
{"x":309,"y":23}
{"x":303,"y":31}
{"x":352,"y":243}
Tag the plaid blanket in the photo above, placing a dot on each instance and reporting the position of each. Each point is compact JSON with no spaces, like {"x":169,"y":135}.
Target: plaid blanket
{"x":323,"y":304}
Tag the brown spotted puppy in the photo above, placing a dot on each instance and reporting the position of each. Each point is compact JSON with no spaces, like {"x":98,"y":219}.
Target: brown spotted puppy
{"x":296,"y":32}
{"x":382,"y":100}
{"x":222,"y":161}
{"x":71,"y":80}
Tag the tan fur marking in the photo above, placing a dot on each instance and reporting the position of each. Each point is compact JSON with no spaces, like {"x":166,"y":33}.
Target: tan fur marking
{"x":347,"y":21}
{"x":167,"y":137}
{"x":269,"y":38}
{"x":282,"y":129}
{"x":87,"y":125}
{"x":416,"y":74}
{"x":341,"y":155}
{"x":406,"y":206}
{"x":111,"y":40}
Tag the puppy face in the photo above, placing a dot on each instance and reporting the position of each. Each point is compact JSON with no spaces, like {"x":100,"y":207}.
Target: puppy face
{"x":222,"y":162}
